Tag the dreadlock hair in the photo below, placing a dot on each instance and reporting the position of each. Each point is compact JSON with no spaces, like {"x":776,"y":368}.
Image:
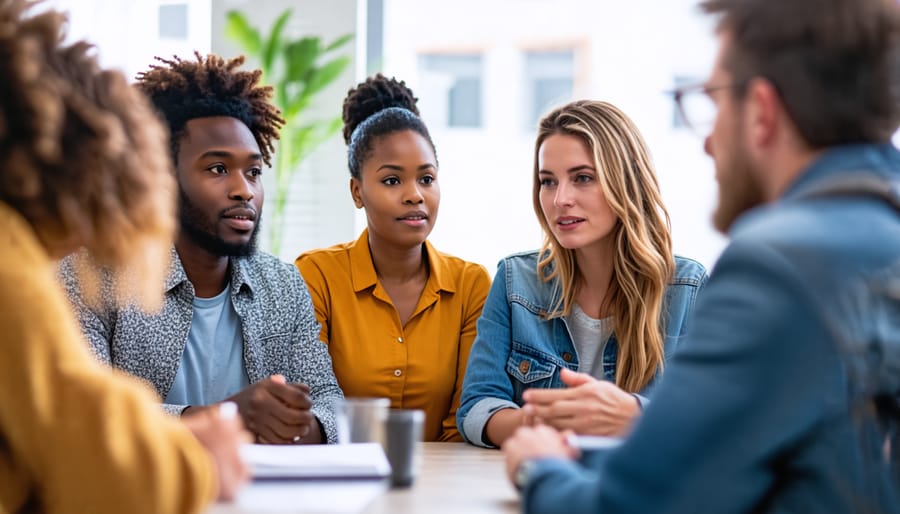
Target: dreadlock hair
{"x":182,"y":90}
{"x":82,"y":154}
{"x":375,"y":108}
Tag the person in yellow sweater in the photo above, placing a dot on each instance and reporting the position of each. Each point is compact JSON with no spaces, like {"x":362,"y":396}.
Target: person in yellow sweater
{"x":85,"y":163}
{"x":397,"y":315}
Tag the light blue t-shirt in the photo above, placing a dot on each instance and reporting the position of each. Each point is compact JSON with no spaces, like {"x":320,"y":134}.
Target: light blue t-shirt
{"x":212,"y":365}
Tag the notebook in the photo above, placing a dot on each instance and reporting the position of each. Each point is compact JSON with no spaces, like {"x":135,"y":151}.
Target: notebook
{"x":320,"y":461}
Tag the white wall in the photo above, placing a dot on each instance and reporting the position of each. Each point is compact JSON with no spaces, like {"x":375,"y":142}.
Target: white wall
{"x":126,"y":33}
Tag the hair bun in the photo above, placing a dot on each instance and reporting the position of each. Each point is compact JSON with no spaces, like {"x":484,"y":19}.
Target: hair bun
{"x":375,"y":94}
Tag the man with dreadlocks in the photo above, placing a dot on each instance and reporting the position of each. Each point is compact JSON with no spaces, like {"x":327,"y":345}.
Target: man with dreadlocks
{"x":236,"y":324}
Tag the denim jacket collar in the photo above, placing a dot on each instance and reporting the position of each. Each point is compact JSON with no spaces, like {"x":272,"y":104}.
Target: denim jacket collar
{"x":873,"y":159}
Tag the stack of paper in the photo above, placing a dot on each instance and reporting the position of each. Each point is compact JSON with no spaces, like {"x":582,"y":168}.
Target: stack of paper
{"x":321,"y":461}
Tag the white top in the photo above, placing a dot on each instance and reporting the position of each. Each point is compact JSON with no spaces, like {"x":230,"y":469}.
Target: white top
{"x":589,"y":336}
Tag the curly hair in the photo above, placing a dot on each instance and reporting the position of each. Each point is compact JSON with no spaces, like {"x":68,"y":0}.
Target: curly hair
{"x":644,"y":262}
{"x":182,"y":90}
{"x":83,"y":156}
{"x":375,"y":108}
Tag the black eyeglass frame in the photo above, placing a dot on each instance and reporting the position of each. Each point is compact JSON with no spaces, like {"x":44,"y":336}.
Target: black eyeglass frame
{"x":690,"y":89}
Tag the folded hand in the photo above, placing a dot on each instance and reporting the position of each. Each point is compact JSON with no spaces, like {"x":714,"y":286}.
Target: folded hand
{"x":587,"y":406}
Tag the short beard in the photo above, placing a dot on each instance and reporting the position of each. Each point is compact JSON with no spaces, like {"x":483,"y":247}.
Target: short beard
{"x":734,"y":200}
{"x":739,"y":190}
{"x":194,"y":223}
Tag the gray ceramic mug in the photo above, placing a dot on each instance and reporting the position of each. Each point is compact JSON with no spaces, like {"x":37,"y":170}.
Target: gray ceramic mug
{"x":404,"y":433}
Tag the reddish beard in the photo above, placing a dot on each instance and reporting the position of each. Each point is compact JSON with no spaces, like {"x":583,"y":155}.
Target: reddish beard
{"x":739,"y":190}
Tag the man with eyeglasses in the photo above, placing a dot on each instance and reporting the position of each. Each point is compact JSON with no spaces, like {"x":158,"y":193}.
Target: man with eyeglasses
{"x":784,"y":395}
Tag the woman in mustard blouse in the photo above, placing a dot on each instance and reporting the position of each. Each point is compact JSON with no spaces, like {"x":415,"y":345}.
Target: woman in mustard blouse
{"x":397,"y":315}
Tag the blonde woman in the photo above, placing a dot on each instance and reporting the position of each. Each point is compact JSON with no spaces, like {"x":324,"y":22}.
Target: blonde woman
{"x":575,"y":334}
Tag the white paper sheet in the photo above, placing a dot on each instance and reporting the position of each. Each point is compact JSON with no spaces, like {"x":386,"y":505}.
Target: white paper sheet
{"x":358,"y":460}
{"x":304,"y":497}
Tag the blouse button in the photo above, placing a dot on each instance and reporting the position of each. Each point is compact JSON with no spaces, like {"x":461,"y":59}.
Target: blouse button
{"x":399,"y":339}
{"x":567,"y":357}
{"x":397,"y":372}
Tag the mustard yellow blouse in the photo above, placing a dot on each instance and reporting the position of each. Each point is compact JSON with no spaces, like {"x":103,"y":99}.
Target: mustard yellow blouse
{"x":74,"y":436}
{"x":418,"y":366}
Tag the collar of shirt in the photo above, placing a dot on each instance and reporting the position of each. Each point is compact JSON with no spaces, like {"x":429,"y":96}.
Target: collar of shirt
{"x":240,"y":276}
{"x":362,"y":267}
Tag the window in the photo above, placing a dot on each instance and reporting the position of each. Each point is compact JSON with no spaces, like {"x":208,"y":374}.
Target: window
{"x":457,"y":79}
{"x":549,"y":79}
{"x":173,"y":21}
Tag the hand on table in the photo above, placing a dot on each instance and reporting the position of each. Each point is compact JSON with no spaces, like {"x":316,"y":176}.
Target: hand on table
{"x":587,"y":406}
{"x":222,"y":436}
{"x":533,"y":443}
{"x":278,"y":412}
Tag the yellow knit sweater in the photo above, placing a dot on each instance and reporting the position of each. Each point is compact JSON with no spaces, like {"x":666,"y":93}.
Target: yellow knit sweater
{"x":74,"y":436}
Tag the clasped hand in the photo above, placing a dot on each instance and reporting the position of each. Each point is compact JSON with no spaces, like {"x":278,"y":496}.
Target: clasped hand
{"x":586,"y":406}
{"x":277,"y":412}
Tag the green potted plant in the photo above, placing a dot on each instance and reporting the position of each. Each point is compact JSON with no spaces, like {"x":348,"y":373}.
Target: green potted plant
{"x":298,"y":69}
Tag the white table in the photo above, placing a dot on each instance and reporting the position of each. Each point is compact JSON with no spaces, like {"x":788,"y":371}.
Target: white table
{"x":454,"y":478}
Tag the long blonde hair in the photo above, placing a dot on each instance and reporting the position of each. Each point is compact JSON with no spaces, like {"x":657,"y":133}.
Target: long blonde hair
{"x":84,"y":159}
{"x":643,"y":262}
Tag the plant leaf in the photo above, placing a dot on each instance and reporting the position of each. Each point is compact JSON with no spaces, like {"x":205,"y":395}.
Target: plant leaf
{"x":324,"y":75}
{"x":301,"y":56}
{"x":339,"y":42}
{"x":274,"y":44}
{"x":305,"y":138}
{"x":238,"y":29}
{"x":295,"y":105}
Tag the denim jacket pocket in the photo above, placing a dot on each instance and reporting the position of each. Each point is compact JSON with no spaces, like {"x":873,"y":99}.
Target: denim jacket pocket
{"x":527,"y":370}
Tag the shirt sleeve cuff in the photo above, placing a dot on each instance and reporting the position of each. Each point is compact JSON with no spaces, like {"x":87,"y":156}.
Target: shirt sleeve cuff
{"x":643,"y":401}
{"x":478,"y":416}
{"x":325,"y":414}
{"x":559,"y":486}
{"x":174,"y":410}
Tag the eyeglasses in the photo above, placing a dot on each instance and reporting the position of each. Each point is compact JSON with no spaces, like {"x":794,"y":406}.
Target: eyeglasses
{"x":695,"y":106}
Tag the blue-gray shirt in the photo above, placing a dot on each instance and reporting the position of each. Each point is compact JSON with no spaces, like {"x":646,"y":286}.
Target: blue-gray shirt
{"x":211,"y":366}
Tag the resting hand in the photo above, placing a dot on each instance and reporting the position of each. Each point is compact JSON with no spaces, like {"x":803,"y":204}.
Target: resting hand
{"x":534,"y":443}
{"x":221,"y":437}
{"x":278,"y":412}
{"x":587,"y":406}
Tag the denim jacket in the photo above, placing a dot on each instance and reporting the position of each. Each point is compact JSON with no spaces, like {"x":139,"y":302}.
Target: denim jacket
{"x":516,"y":348}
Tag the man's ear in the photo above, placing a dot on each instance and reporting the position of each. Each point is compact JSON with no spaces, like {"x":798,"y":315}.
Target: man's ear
{"x":763,"y":112}
{"x":355,"y":193}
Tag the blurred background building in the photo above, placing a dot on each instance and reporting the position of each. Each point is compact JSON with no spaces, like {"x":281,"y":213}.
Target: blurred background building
{"x":484,"y":71}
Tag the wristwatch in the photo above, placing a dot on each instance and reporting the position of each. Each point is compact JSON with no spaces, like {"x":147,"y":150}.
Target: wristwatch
{"x":524,"y":473}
